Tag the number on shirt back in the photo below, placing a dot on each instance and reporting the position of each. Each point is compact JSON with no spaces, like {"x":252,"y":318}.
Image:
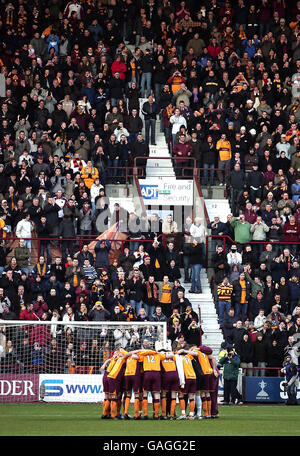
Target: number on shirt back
{"x":150,"y":359}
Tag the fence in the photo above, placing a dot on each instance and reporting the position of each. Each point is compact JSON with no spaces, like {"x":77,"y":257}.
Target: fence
{"x":185,"y":168}
{"x":210,"y":243}
{"x":226,"y":241}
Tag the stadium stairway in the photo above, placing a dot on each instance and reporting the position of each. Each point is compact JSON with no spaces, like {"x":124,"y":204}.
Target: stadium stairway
{"x":212,"y":334}
{"x":217,"y":207}
{"x":157,"y":167}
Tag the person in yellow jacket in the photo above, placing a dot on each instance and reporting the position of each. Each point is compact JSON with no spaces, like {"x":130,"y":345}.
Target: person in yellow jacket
{"x":223,"y":147}
{"x":89,"y":173}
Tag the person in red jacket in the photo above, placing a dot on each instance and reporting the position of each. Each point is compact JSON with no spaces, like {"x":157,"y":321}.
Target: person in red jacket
{"x":182,"y":150}
{"x":28,"y":313}
{"x":214,"y":49}
{"x":291,"y":232}
{"x":40,"y":307}
{"x":119,"y":67}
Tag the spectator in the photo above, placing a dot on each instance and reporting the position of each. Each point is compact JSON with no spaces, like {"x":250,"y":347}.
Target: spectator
{"x":224,"y":293}
{"x":242,"y":233}
{"x":231,"y":363}
{"x":150,"y":109}
{"x":246,"y":352}
{"x":260,"y":355}
{"x":98,"y":312}
{"x":223,"y":147}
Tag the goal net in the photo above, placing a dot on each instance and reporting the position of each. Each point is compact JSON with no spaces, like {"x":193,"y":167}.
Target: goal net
{"x":59,"y":361}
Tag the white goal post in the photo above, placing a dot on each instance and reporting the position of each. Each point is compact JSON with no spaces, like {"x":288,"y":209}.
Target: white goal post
{"x":59,"y":361}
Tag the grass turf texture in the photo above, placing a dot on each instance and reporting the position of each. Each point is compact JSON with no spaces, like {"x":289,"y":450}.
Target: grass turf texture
{"x":84,"y":420}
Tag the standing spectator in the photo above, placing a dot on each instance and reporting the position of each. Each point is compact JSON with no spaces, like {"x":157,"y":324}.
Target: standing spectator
{"x":150,"y":110}
{"x":22,"y":255}
{"x":196,"y":262}
{"x":102,"y":249}
{"x":236,"y":182}
{"x":242,"y":233}
{"x":260,"y":355}
{"x":98,"y":312}
{"x":246,"y":353}
{"x":224,"y":294}
{"x":146,"y":68}
{"x":259,"y":230}
{"x":230,"y":321}
{"x":223,"y":147}
{"x":230,"y":363}
{"x":240,"y":296}
{"x":24,"y":230}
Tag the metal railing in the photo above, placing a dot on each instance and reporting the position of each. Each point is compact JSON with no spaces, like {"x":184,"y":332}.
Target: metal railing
{"x":226,"y":240}
{"x":81,"y":239}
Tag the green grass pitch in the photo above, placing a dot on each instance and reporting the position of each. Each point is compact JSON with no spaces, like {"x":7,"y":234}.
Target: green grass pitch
{"x":84,"y":420}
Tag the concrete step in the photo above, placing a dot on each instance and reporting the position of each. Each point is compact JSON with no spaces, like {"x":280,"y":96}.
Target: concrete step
{"x":199,"y":297}
{"x":157,"y":151}
{"x":155,"y":171}
{"x":212,"y":338}
{"x":218,"y":207}
{"x":214,"y":192}
{"x":115,"y":191}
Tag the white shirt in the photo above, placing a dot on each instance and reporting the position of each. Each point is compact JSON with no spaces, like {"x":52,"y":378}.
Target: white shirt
{"x":198,"y":232}
{"x":94,"y":191}
{"x":24,"y":229}
{"x":176,"y":123}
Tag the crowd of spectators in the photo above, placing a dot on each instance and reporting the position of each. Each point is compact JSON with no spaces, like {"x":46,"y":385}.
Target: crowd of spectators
{"x":258,"y":304}
{"x":223,"y":80}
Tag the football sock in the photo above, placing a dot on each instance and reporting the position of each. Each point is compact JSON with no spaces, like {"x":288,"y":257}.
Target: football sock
{"x":173,"y":407}
{"x":145,"y":407}
{"x":126,"y":407}
{"x":106,"y":407}
{"x":192,"y":406}
{"x":208,"y":401}
{"x":156,"y":407}
{"x":119,"y":404}
{"x":113,"y":407}
{"x":198,"y":401}
{"x":136,"y":407}
{"x":182,"y":406}
{"x":164,"y":406}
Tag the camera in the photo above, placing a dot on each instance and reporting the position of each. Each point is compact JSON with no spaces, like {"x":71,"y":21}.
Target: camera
{"x":285,"y":386}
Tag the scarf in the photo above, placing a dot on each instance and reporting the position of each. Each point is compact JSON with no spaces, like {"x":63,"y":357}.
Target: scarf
{"x":75,"y":279}
{"x":153,"y":292}
{"x":169,"y":111}
{"x":41,"y":272}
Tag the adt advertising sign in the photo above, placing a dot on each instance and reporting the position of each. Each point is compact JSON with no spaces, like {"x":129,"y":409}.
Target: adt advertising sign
{"x":167,"y":191}
{"x":149,"y":192}
{"x":266,"y":389}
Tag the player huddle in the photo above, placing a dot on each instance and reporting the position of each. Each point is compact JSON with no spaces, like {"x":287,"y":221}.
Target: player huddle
{"x":189,"y":375}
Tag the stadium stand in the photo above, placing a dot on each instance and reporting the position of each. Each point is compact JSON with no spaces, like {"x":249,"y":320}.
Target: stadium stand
{"x":99,"y":96}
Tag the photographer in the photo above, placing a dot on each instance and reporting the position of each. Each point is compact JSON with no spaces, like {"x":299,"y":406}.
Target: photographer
{"x":98,"y":313}
{"x":230,"y":363}
{"x":291,"y":383}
